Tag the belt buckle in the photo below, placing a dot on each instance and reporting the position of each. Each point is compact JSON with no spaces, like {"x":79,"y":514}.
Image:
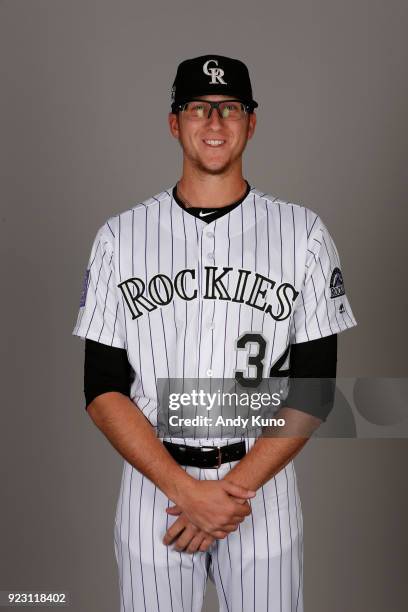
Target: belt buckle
{"x":219,"y":454}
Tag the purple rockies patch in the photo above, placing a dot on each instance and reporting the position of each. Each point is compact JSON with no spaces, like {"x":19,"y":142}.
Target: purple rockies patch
{"x":84,"y":289}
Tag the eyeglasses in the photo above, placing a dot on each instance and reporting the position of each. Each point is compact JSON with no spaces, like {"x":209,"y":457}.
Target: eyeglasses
{"x":231,"y":110}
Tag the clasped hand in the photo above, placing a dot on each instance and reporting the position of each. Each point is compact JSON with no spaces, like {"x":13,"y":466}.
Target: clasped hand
{"x":207,"y":510}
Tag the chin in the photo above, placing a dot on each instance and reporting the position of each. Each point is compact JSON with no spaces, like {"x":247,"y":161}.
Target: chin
{"x":215,"y":170}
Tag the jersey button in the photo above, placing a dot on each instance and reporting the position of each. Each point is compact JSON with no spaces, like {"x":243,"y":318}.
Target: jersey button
{"x":209,"y":372}
{"x":211,"y":326}
{"x":210,"y":234}
{"x":211,"y":256}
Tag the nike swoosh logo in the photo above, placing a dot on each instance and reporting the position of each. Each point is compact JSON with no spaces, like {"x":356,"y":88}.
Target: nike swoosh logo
{"x":201,"y":214}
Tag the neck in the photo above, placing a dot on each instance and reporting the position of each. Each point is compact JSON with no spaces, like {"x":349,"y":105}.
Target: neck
{"x":207,"y":190}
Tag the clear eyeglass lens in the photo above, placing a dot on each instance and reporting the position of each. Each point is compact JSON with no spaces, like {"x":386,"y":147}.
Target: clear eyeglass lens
{"x":229,"y":110}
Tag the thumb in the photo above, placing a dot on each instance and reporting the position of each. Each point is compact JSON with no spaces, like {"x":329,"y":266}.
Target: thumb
{"x":237,"y":490}
{"x":174,"y":510}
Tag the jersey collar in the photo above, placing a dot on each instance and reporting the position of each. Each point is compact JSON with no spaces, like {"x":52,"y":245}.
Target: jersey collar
{"x":209,"y":214}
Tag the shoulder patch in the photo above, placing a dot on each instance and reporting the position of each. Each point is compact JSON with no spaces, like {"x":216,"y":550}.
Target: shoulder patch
{"x":84,"y":288}
{"x":336,"y":283}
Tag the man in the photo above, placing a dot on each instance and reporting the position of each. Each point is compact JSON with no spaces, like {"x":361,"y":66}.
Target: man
{"x":209,"y":280}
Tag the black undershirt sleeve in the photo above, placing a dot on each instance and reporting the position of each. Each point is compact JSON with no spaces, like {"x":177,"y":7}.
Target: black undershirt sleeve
{"x":106,"y":369}
{"x":312,"y":372}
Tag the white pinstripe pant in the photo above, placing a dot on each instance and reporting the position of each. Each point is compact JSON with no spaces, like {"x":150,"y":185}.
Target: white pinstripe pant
{"x":257,"y":568}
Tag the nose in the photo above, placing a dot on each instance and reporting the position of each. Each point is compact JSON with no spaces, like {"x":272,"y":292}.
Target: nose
{"x":214,"y":119}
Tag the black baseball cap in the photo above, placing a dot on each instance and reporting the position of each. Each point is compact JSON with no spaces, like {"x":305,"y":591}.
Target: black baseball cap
{"x":211,"y":74}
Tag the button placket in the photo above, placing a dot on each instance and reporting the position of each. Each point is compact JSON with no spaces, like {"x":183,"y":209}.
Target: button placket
{"x":208,"y":251}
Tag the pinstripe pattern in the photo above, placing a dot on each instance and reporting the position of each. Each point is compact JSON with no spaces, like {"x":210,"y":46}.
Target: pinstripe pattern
{"x":189,"y":330}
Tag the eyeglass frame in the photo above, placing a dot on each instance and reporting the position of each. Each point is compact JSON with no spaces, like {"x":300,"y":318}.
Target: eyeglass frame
{"x":248,"y":107}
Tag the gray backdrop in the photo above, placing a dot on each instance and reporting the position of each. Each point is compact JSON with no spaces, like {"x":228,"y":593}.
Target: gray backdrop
{"x":84,"y":99}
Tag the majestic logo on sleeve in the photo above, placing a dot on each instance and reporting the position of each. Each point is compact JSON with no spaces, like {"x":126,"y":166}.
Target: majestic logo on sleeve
{"x":245,"y":287}
{"x":216,"y":74}
{"x":336,"y":283}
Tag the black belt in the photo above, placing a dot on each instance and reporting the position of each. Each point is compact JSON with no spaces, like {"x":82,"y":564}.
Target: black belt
{"x":205,"y":456}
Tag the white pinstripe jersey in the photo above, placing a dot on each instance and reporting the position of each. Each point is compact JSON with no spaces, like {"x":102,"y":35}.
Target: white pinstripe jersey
{"x":177,"y":292}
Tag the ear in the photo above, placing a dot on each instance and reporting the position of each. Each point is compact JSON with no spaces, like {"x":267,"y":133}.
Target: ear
{"x":173,"y":120}
{"x":251,"y":125}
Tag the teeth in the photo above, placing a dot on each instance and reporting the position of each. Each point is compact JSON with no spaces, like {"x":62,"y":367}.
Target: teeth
{"x":214,"y":143}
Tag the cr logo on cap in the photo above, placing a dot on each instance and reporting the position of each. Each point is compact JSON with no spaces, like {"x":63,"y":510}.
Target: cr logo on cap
{"x":215,"y":73}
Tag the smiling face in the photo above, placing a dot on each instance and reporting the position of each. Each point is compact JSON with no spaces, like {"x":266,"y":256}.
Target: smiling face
{"x":214,"y":145}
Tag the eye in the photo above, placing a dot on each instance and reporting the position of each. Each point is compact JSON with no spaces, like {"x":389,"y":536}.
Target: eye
{"x":231,"y":109}
{"x":198,"y":109}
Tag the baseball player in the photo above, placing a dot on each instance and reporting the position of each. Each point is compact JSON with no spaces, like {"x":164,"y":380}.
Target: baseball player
{"x":211,"y":279}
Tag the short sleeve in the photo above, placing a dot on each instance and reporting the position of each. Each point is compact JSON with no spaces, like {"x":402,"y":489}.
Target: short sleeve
{"x":100,"y":313}
{"x":322,"y":308}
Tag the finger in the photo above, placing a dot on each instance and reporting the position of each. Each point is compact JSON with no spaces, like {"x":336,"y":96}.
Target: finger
{"x":239,"y":512}
{"x":206,"y":543}
{"x":228,"y":528}
{"x":174,"y":531}
{"x":237,"y":490}
{"x":174,"y":510}
{"x":185,"y":538}
{"x":244,"y":508}
{"x":237,"y":519}
{"x":232,"y":525}
{"x":227,"y":522}
{"x":219,"y":534}
{"x":195,"y":542}
{"x":227,"y":519}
